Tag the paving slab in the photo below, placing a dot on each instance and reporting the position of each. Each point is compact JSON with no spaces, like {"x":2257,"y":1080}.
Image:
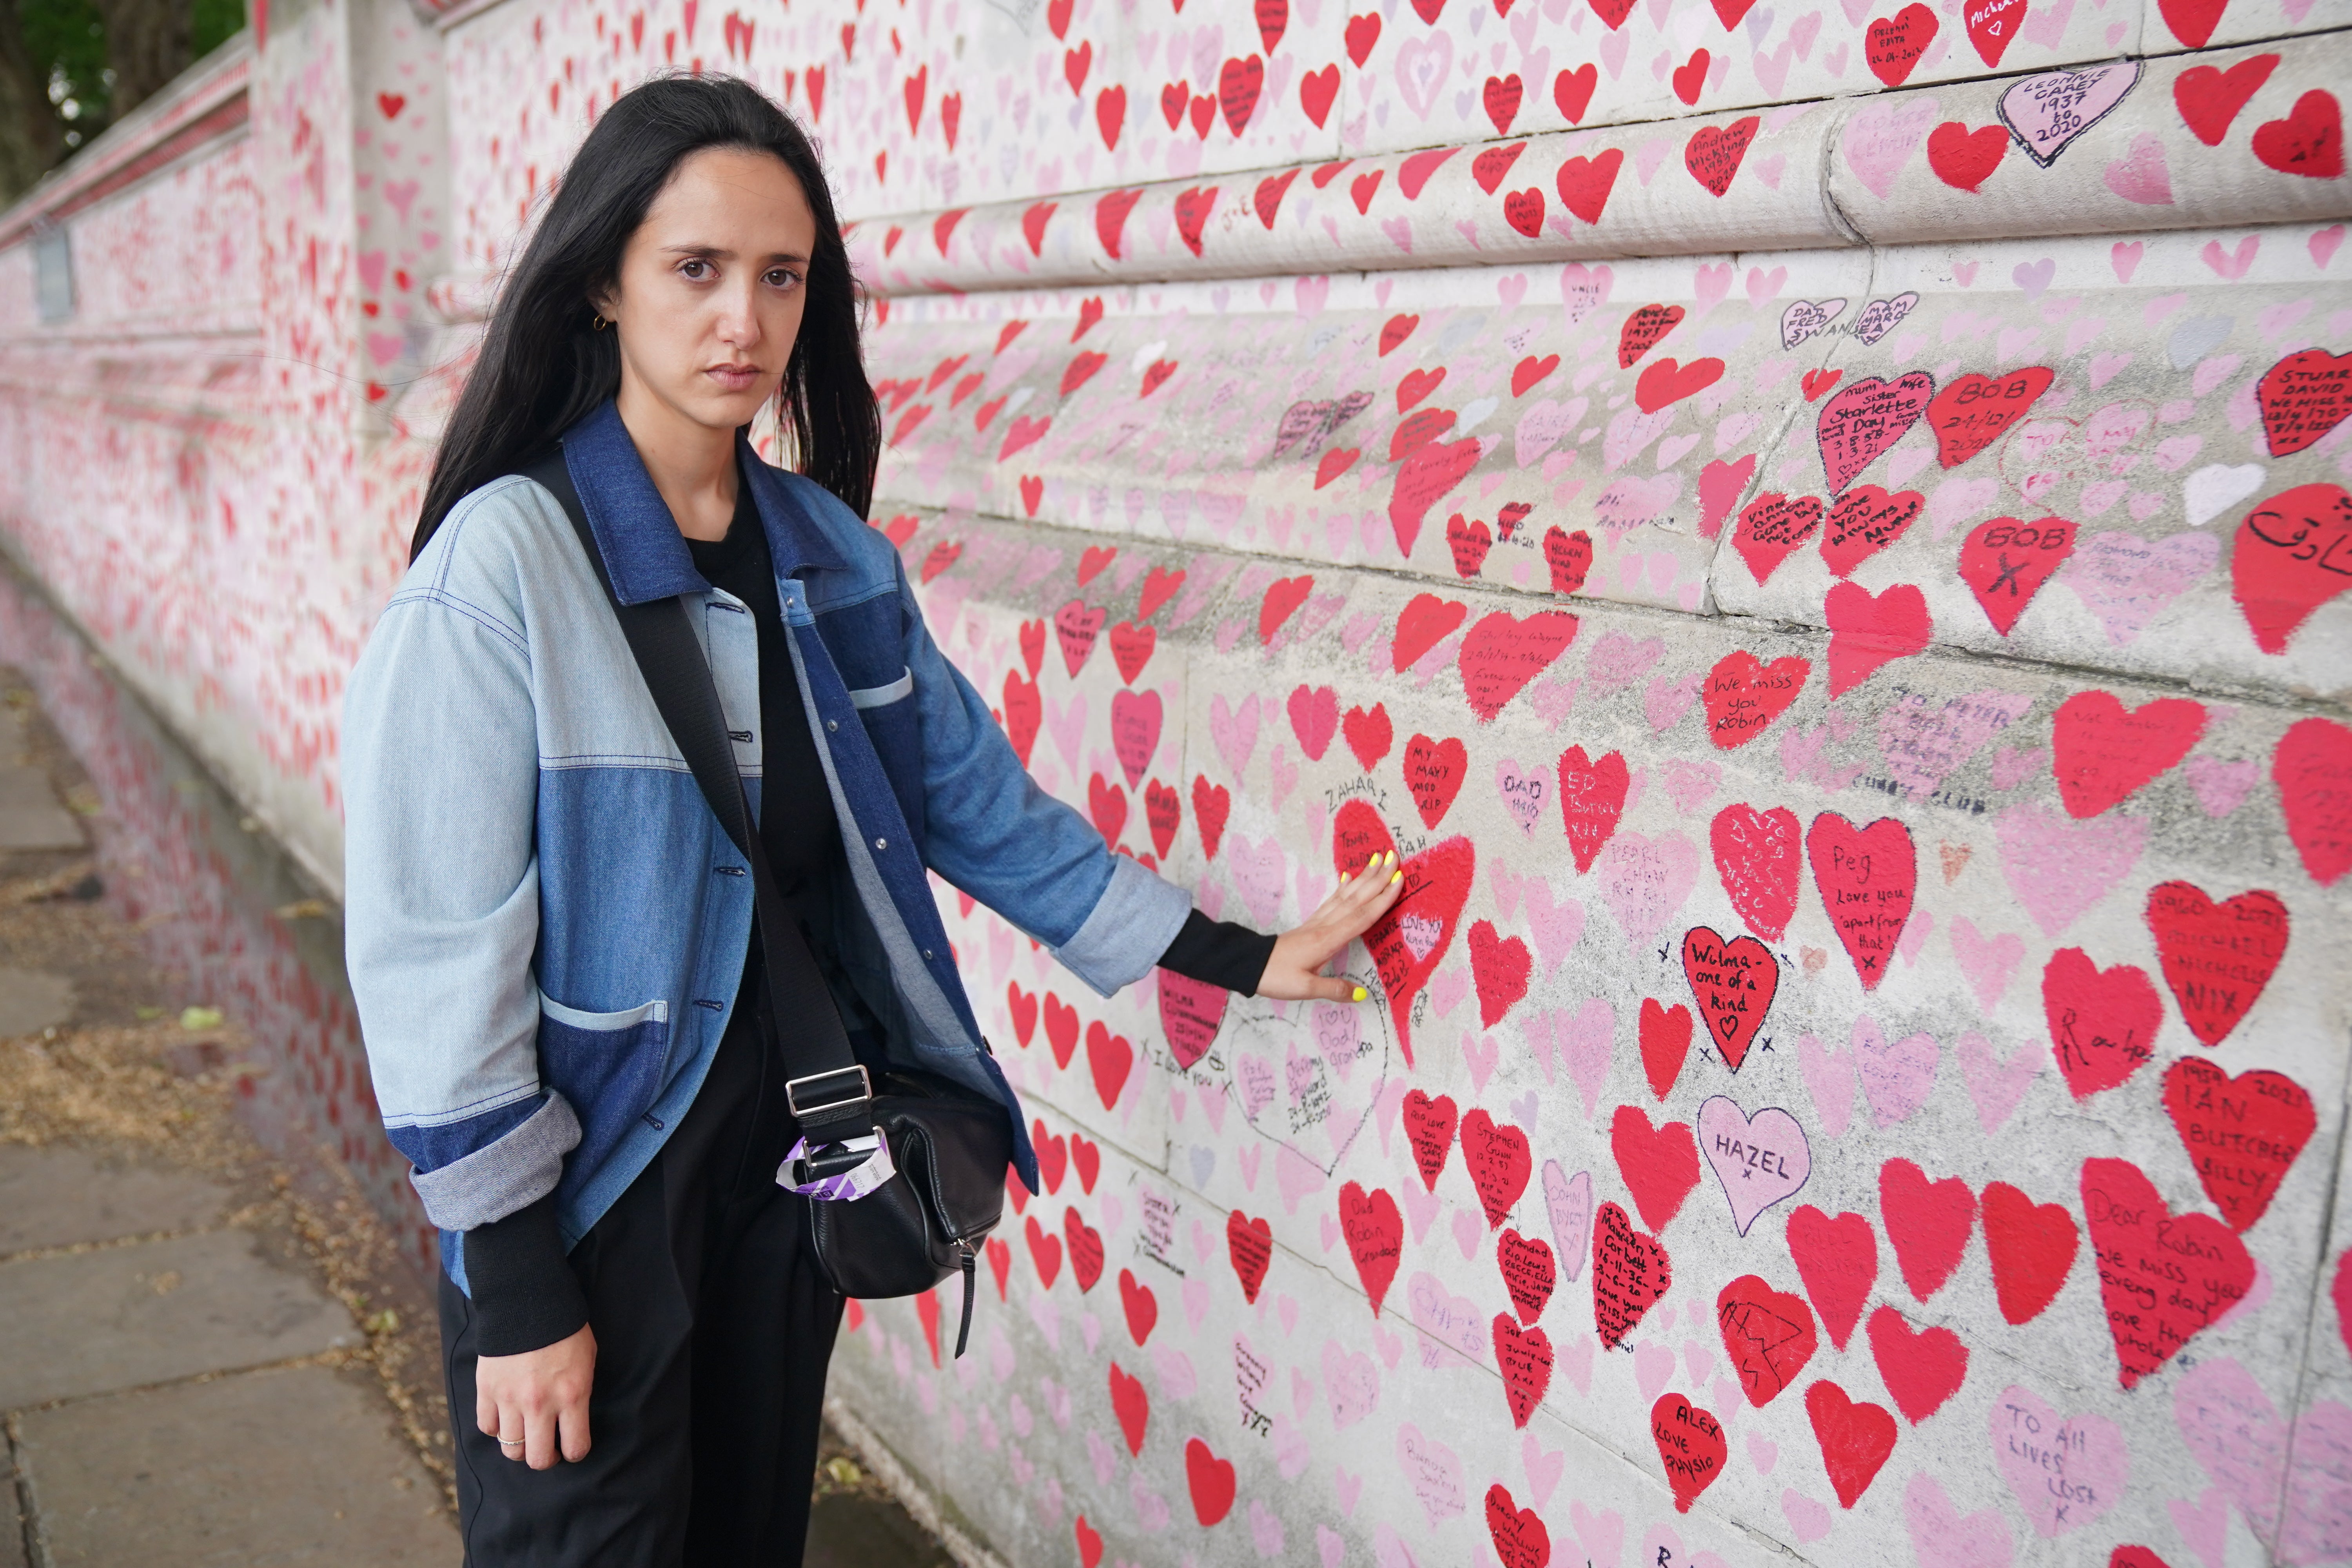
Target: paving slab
{"x":93,"y":1322}
{"x":286,"y":1465}
{"x":64,"y":1196}
{"x":30,"y":816}
{"x":31,"y":1001}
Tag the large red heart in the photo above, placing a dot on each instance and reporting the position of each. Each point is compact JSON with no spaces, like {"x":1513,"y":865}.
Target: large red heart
{"x":1053,"y":1153}
{"x":1773,"y":527}
{"x":2303,"y":395}
{"x":1109,"y":1057}
{"x":1499,"y":966}
{"x":1045,"y":1252}
{"x":1429,"y":1127}
{"x":1757,"y":857}
{"x":1423,"y":480}
{"x":1714,"y":153}
{"x":1922,"y":1368}
{"x":1630,"y":1272}
{"x":1660,"y":1164}
{"x":1667,"y":382}
{"x":1503,"y":652}
{"x":1838,"y":1260}
{"x":1665,"y":1040}
{"x":2209,"y":99}
{"x":1282,"y":599}
{"x":2192,"y":21}
{"x":1743,"y":695}
{"x":2216,"y":958}
{"x":1690,"y":1445}
{"x":1023,"y":713}
{"x":1250,"y":1244}
{"x":1992,"y":26}
{"x":2308,"y":142}
{"x":1892,"y":46}
{"x":2204,"y":1269}
{"x":1974,"y":411}
{"x":1499,"y":1163}
{"x":2313,"y":769}
{"x":1374,"y":1231}
{"x":1868,"y":630}
{"x":1927,"y":1223}
{"x":2005,"y":562}
{"x":1864,"y":418}
{"x":1163,"y":810}
{"x":2241,"y":1133}
{"x":1865,"y":520}
{"x":1965,"y":159}
{"x":1525,"y":1358}
{"x":1734,"y":984}
{"x":1130,"y":1402}
{"x":1408,"y":943}
{"x":1768,"y":1335}
{"x":1643,"y":330}
{"x":1211,"y":1480}
{"x":1090,"y":1543}
{"x":1519,"y":1533}
{"x":1855,"y":1439}
{"x":1085,"y":1244}
{"x":2103,"y":753}
{"x":2293,"y":553}
{"x":1421,"y":625}
{"x":1584,"y":183}
{"x":1368,"y":734}
{"x":2031,"y":1247}
{"x":1191,"y":1012}
{"x":1867,"y":878}
{"x":1529,"y":1273}
{"x":2103,"y":1023}
{"x":1211,"y":804}
{"x":1434,"y":771}
{"x":1591,"y":799}
{"x":1141,"y":1307}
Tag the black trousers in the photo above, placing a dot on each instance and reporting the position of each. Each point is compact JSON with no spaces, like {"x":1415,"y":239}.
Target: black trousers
{"x":713,"y":1328}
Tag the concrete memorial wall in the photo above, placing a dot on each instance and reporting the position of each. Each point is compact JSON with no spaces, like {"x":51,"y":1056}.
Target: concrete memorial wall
{"x":1819,"y":536}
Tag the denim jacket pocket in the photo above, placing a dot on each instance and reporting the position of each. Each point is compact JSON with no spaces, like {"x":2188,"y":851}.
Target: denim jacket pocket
{"x":608,"y":1065}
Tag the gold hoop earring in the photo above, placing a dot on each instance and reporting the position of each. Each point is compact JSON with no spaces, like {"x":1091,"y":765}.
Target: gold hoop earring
{"x":597,"y":323}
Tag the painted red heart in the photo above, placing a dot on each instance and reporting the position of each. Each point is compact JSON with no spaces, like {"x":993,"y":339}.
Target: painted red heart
{"x":1584,"y":183}
{"x":1927,"y":1223}
{"x":2242,"y":1135}
{"x":1519,"y":1533}
{"x":2313,"y":769}
{"x":1572,"y":94}
{"x":1374,"y":1231}
{"x":2103,"y":753}
{"x":2192,"y":21}
{"x":1690,"y":78}
{"x":1524,"y":211}
{"x":1665,"y":1038}
{"x":2004,"y":562}
{"x":2216,"y":958}
{"x":2136,"y":1239}
{"x":1317,"y":91}
{"x":1659,"y":1163}
{"x":1864,"y":418}
{"x":1773,"y":527}
{"x":1570,"y":557}
{"x":1109,"y":1057}
{"x":1283,"y":597}
{"x":1369,"y":736}
{"x":1210,"y":1480}
{"x":1734,"y":984}
{"x":1838,"y":1260}
{"x":1965,"y":159}
{"x":1743,"y":695}
{"x":1363,"y":33}
{"x":1409,"y":942}
{"x":1714,"y":153}
{"x":2103,"y":1023}
{"x":1865,"y":520}
{"x":1868,"y":630}
{"x":1503,"y":652}
{"x":1529,"y":1273}
{"x":1922,"y":1368}
{"x":2031,"y":1247}
{"x":1211,"y":804}
{"x":1531,"y":370}
{"x":1690,"y":1445}
{"x":1239,"y":81}
{"x":2308,"y":142}
{"x":1424,"y":621}
{"x":1524,"y":1356}
{"x":1666,"y":382}
{"x":1086,"y":1158}
{"x":1434,"y":771}
{"x":1022,"y":1007}
{"x":1053,"y":1151}
{"x":1867,"y":878}
{"x":1131,"y":647}
{"x":1130,"y":1402}
{"x":1591,"y":799}
{"x":1630,"y":1272}
{"x":1489,"y":166}
{"x":1469,"y":539}
{"x":1814,"y":382}
{"x":1024,"y":715}
{"x":1141,"y":1307}
{"x":1499,"y":1161}
{"x":2303,"y":395}
{"x":1758,"y":857}
{"x":1107,"y":804}
{"x":1086,"y":1249}
{"x":1249,"y":1243}
{"x":2293,"y":553}
{"x":1499,"y":967}
{"x":1090,"y":1544}
{"x":1429,"y":1127}
{"x":1767,"y":1334}
{"x":1855,"y":1439}
{"x":1892,"y":46}
{"x":1974,"y":411}
{"x":1045,"y":1252}
{"x":2209,"y":99}
{"x":1643,"y":330}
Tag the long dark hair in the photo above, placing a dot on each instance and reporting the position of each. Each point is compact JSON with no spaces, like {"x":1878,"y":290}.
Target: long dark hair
{"x":543,"y":366}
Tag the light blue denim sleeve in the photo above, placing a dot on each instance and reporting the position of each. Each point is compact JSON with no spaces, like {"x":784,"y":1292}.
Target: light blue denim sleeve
{"x":995,"y":835}
{"x":440,"y":779}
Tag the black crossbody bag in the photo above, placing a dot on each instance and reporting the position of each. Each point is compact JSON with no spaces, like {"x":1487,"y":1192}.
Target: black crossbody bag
{"x":951,"y":1145}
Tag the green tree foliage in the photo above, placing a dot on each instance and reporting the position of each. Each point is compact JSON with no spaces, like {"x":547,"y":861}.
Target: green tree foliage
{"x":70,"y":67}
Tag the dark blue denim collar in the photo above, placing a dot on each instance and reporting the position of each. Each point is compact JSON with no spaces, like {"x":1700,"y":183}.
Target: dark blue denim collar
{"x":644,"y":553}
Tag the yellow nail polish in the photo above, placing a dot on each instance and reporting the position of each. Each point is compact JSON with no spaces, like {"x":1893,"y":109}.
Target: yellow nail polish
{"x":1396,"y":876}
{"x":1391,"y":856}
{"x":1361,"y":994}
{"x":1343,"y":878}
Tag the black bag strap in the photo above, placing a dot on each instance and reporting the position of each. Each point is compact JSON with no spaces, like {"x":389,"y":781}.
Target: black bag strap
{"x":828,"y":1091}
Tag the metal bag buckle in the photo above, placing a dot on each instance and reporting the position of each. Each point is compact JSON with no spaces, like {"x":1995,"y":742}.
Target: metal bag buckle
{"x":844,"y":1077}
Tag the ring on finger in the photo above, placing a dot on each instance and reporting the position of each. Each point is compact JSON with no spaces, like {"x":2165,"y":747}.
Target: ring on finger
{"x":510,"y":1442}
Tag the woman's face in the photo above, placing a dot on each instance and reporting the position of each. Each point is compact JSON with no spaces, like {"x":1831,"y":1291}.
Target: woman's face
{"x":711,"y":288}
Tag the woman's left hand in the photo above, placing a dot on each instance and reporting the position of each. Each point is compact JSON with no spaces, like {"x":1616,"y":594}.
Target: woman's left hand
{"x":1294,"y":972}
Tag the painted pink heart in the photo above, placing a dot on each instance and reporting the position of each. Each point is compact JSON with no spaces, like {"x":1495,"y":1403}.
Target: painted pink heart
{"x":1644,"y":882}
{"x":1896,"y":1075}
{"x":1995,"y":1085}
{"x":1761,"y":1161}
{"x":2125,"y":582}
{"x":1986,"y":962}
{"x":2059,"y":867}
{"x":2066,"y":1471}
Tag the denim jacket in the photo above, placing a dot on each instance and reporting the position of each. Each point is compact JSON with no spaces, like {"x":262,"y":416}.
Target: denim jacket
{"x":545,"y":924}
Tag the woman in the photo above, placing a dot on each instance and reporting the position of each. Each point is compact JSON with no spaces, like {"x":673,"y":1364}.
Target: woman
{"x":550,"y":937}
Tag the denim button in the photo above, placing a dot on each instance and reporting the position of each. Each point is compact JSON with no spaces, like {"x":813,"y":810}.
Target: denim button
{"x":881,"y":844}
{"x":929,"y":955}
{"x":833,"y":724}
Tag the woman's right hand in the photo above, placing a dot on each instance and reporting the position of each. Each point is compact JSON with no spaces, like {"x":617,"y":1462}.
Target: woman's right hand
{"x":539,"y":1396}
